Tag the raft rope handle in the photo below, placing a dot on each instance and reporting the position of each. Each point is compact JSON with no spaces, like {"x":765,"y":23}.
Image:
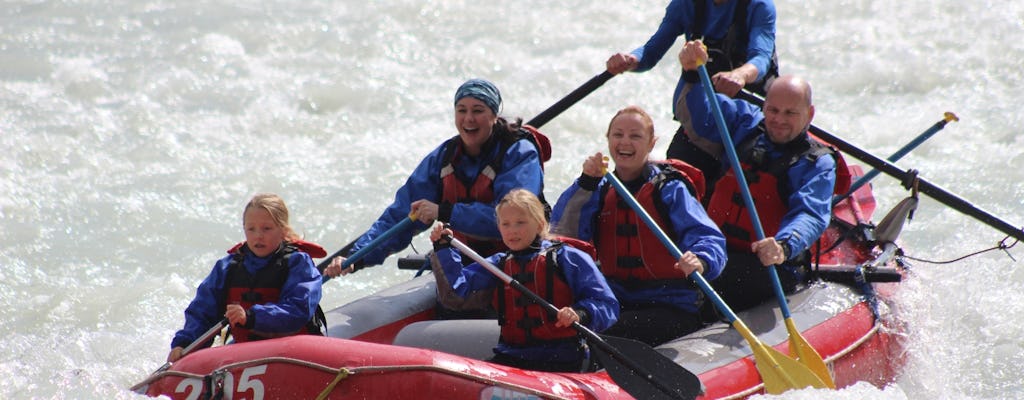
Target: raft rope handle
{"x":342,"y":374}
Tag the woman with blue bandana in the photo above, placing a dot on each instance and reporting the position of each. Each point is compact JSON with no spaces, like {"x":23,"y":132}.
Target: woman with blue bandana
{"x":461,"y":181}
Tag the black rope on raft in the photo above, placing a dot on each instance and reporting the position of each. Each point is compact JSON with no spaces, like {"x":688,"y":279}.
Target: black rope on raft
{"x":1000,"y":246}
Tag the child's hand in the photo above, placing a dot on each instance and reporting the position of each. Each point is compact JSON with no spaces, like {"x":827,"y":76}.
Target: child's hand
{"x":334,"y":269}
{"x":440,"y":231}
{"x":175,"y":354}
{"x":566,"y":316}
{"x":235,"y":315}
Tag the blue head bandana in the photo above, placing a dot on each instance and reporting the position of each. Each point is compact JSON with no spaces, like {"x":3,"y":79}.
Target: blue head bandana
{"x":482,"y":90}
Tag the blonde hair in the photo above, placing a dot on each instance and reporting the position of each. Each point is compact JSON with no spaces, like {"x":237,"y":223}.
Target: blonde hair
{"x":635,"y":110}
{"x":527,"y":201}
{"x":274,"y":205}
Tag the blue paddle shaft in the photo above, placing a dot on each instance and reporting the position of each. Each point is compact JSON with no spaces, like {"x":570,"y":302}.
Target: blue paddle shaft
{"x":924,"y":136}
{"x":734,"y":161}
{"x":362,"y":252}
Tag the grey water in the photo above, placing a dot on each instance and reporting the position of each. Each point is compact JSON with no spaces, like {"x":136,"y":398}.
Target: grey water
{"x":132,"y":132}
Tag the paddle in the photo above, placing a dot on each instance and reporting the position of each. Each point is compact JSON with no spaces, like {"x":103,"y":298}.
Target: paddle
{"x":362,"y":252}
{"x":141,"y":387}
{"x":947,"y":117}
{"x":544,"y":117}
{"x":910,"y":178}
{"x":633,"y":365}
{"x":778,"y":372}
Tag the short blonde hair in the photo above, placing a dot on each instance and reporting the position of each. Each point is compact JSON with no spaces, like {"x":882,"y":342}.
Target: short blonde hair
{"x":274,"y":205}
{"x":526,"y":201}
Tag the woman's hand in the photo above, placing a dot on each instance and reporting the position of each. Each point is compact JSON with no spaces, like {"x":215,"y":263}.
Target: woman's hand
{"x":425,"y":210}
{"x":334,"y":269}
{"x":595,"y":165}
{"x":689,"y":263}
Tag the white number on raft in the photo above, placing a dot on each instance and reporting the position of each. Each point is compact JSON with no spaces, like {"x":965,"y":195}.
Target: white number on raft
{"x":246,"y":383}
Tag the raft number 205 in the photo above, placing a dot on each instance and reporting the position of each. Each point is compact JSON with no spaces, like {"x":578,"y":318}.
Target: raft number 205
{"x":249,"y":381}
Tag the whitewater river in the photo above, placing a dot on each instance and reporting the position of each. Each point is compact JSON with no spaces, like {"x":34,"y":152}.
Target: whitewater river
{"x":132,"y":133}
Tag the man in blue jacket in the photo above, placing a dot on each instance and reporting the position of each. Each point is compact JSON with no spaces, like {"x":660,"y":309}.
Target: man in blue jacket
{"x":791,"y":178}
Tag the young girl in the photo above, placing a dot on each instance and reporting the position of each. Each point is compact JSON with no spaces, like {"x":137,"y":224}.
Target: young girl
{"x":266,"y":287}
{"x":565,"y":276}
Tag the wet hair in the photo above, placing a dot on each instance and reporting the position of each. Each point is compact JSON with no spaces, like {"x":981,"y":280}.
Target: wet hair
{"x":634,"y":110}
{"x":274,"y":205}
{"x":527,"y":201}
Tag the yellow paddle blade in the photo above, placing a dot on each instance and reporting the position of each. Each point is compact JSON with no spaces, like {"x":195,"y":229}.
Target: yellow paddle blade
{"x":778,"y":372}
{"x":802,"y":351}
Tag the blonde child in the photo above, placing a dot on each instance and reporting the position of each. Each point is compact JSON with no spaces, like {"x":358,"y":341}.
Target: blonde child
{"x":266,"y":287}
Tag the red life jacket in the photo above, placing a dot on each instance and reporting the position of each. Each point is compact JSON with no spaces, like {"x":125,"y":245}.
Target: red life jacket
{"x":456,"y":190}
{"x":522,"y":321}
{"x":247,"y":290}
{"x":630,"y":251}
{"x":769,"y":185}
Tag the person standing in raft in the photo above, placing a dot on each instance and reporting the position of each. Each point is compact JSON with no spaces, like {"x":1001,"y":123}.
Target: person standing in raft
{"x":562,"y":274}
{"x":267,"y":286}
{"x":791,"y":176}
{"x":741,"y":37}
{"x":658,"y":302}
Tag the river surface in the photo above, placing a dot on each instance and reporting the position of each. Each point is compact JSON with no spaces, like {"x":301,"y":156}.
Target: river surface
{"x":132,"y":133}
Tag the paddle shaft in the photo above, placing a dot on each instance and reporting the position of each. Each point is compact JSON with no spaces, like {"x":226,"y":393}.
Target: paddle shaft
{"x":544,"y":117}
{"x":362,"y":252}
{"x":592,"y":338}
{"x":205,"y":337}
{"x":906,"y":149}
{"x":909,"y":179}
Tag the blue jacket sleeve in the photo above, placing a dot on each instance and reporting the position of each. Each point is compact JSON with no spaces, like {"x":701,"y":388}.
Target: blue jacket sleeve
{"x":810,"y":204}
{"x":589,"y":288}
{"x":469,"y":279}
{"x":761,"y":20}
{"x":741,"y":117}
{"x":678,"y":16}
{"x":574,"y":211}
{"x":520,"y":169}
{"x":696,"y":232}
{"x":299,"y":298}
{"x":423,"y":183}
{"x":203,"y":312}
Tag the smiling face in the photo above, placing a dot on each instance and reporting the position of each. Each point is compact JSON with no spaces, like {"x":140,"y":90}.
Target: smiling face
{"x":474,"y":121}
{"x":518,"y":227}
{"x":262,"y":233}
{"x":630,"y":141}
{"x":787,"y":109}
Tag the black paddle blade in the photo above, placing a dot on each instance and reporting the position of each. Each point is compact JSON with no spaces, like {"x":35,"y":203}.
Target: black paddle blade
{"x":645,"y":373}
